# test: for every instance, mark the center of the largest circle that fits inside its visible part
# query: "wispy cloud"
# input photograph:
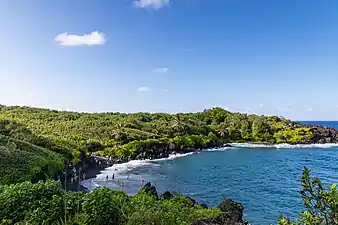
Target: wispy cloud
(161, 70)
(151, 4)
(261, 105)
(143, 89)
(309, 109)
(93, 38)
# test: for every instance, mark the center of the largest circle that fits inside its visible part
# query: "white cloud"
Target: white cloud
(161, 70)
(152, 4)
(309, 109)
(93, 38)
(261, 105)
(143, 89)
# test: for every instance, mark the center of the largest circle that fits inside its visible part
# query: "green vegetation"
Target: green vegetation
(120, 134)
(293, 136)
(321, 203)
(33, 141)
(44, 203)
(48, 203)
(20, 161)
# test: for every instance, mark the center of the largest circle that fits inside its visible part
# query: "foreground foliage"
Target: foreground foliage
(321, 203)
(48, 203)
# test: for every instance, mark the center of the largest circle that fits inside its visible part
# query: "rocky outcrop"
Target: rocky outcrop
(228, 145)
(167, 195)
(320, 134)
(232, 211)
(232, 215)
(323, 135)
(149, 189)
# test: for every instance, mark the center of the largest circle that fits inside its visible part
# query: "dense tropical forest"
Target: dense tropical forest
(120, 135)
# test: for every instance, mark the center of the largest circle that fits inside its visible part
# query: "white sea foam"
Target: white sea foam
(121, 169)
(218, 149)
(248, 145)
(173, 156)
(94, 183)
(333, 145)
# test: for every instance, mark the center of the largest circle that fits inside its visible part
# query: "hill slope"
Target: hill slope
(142, 135)
(20, 161)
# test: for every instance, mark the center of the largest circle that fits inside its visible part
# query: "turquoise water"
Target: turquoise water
(264, 179)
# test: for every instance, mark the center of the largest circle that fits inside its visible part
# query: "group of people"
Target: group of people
(113, 178)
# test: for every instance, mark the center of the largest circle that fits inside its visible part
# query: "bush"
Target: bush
(321, 203)
(104, 206)
(20, 161)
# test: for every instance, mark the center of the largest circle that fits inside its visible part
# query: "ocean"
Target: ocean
(266, 180)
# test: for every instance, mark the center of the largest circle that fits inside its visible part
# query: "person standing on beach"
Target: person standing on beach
(113, 176)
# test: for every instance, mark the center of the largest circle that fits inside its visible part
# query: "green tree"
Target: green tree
(245, 130)
(321, 203)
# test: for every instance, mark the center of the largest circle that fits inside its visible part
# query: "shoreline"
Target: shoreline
(93, 172)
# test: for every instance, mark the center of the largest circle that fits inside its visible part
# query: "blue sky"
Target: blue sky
(267, 57)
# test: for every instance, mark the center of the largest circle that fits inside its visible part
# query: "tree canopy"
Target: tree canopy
(119, 134)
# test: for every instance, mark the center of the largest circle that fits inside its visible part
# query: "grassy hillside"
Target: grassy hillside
(129, 135)
(20, 161)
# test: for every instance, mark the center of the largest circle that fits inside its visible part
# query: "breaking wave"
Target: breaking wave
(248, 145)
(123, 168)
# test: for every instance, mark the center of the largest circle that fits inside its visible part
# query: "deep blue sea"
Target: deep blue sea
(264, 179)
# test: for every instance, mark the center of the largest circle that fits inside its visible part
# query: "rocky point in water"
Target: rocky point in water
(232, 211)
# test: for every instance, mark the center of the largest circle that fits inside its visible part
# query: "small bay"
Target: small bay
(264, 179)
